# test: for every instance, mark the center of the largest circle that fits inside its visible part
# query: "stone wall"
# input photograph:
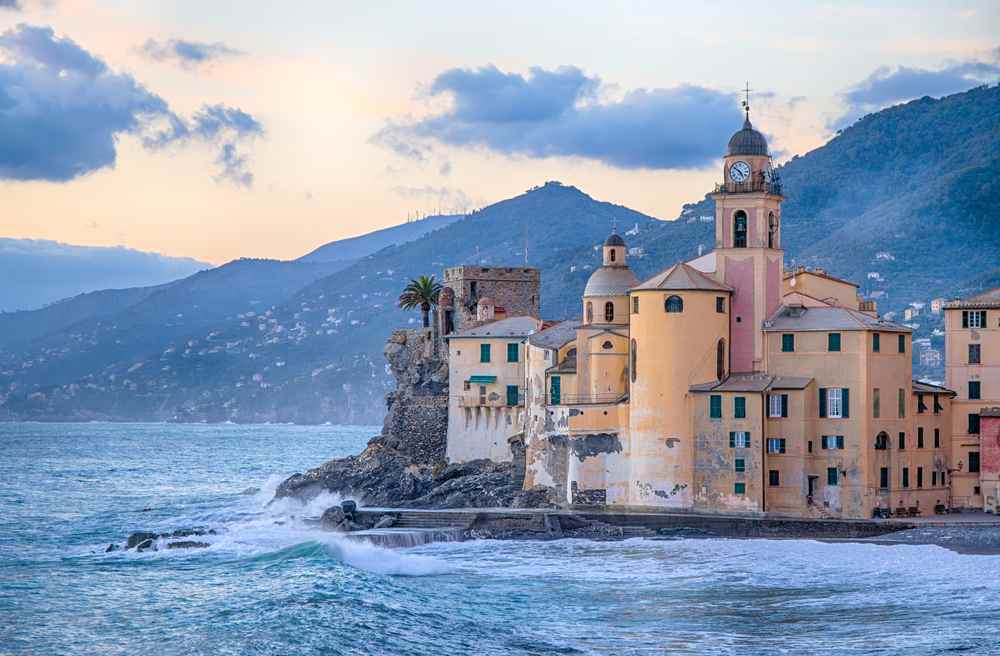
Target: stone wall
(516, 289)
(416, 422)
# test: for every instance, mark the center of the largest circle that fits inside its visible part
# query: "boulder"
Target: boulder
(333, 517)
(140, 537)
(187, 544)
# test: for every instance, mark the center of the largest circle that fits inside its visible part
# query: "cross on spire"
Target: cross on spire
(614, 225)
(746, 100)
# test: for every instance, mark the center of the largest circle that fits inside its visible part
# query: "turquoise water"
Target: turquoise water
(272, 584)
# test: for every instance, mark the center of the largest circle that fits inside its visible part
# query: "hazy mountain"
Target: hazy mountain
(37, 272)
(902, 194)
(354, 248)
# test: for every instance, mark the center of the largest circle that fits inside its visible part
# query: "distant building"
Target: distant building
(937, 305)
(930, 358)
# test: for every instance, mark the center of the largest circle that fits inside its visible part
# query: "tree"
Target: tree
(422, 292)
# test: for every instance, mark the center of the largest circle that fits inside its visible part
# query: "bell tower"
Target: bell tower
(749, 257)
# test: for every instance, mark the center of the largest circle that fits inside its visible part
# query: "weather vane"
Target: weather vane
(746, 101)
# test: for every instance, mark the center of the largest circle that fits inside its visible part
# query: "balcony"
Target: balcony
(757, 185)
(585, 399)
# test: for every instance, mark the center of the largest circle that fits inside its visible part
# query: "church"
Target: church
(721, 384)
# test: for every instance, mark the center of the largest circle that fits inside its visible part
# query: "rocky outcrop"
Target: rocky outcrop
(148, 541)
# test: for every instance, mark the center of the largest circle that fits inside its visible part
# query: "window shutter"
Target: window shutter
(822, 402)
(732, 439)
(767, 405)
(846, 403)
(822, 442)
(965, 318)
(784, 405)
(840, 441)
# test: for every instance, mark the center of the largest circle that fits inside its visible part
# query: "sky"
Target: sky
(217, 130)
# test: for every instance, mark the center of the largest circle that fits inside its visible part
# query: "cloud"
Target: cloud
(10, 4)
(63, 110)
(563, 113)
(189, 54)
(888, 86)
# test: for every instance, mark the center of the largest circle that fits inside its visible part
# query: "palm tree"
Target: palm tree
(423, 293)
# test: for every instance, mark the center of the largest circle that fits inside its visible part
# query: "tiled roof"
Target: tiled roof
(923, 387)
(985, 300)
(555, 336)
(800, 318)
(681, 277)
(513, 327)
(754, 382)
(819, 274)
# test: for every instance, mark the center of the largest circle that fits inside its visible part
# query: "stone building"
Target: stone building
(512, 291)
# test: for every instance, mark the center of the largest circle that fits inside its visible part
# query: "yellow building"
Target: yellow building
(724, 384)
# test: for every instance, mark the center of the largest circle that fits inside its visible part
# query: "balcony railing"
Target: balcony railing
(583, 399)
(760, 184)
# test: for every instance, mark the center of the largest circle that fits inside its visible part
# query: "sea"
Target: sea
(272, 583)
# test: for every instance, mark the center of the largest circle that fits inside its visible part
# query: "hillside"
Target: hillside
(901, 194)
(354, 248)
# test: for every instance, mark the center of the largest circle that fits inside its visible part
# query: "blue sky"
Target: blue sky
(226, 129)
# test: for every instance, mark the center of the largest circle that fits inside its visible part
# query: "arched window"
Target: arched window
(590, 312)
(609, 311)
(607, 345)
(720, 359)
(772, 230)
(612, 255)
(632, 361)
(674, 304)
(740, 229)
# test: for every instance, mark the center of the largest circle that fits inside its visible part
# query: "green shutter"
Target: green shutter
(484, 352)
(740, 488)
(784, 405)
(845, 401)
(833, 341)
(555, 390)
(512, 395)
(732, 439)
(831, 475)
(840, 441)
(822, 402)
(965, 318)
(740, 407)
(740, 465)
(788, 343)
(876, 345)
(512, 352)
(715, 406)
(902, 343)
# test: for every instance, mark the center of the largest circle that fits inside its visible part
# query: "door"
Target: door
(812, 489)
(555, 391)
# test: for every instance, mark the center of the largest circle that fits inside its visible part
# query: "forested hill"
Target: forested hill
(897, 202)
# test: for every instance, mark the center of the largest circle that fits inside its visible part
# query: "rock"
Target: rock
(385, 521)
(349, 506)
(140, 537)
(333, 517)
(250, 490)
(187, 544)
(112, 547)
(146, 545)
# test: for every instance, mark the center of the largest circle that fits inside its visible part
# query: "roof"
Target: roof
(990, 412)
(610, 281)
(556, 336)
(754, 382)
(747, 141)
(513, 327)
(706, 263)
(567, 366)
(798, 318)
(682, 276)
(614, 240)
(818, 274)
(922, 387)
(985, 300)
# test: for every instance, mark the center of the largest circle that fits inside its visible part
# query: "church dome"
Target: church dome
(610, 281)
(614, 240)
(747, 141)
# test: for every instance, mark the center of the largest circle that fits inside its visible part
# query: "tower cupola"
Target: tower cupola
(747, 141)
(614, 251)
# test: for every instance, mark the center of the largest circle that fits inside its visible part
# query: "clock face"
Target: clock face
(739, 171)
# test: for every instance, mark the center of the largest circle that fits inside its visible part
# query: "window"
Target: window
(902, 343)
(612, 255)
(555, 390)
(973, 424)
(876, 403)
(921, 406)
(740, 229)
(633, 356)
(973, 462)
(920, 437)
(740, 407)
(484, 352)
(635, 305)
(876, 342)
(834, 402)
(975, 389)
(937, 405)
(920, 476)
(740, 488)
(934, 478)
(906, 477)
(775, 445)
(937, 438)
(674, 304)
(777, 405)
(512, 395)
(720, 359)
(809, 446)
(975, 353)
(720, 304)
(740, 465)
(607, 345)
(609, 311)
(787, 343)
(512, 352)
(739, 440)
(831, 475)
(773, 478)
(882, 441)
(902, 441)
(772, 230)
(833, 342)
(590, 312)
(883, 478)
(973, 318)
(715, 406)
(832, 442)
(482, 395)
(467, 386)
(901, 398)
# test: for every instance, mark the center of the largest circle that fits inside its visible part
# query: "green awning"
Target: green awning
(482, 380)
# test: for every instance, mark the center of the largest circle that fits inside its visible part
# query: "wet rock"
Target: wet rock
(187, 544)
(140, 537)
(385, 521)
(112, 547)
(146, 545)
(333, 517)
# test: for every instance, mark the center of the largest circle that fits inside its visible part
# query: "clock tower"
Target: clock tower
(748, 250)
